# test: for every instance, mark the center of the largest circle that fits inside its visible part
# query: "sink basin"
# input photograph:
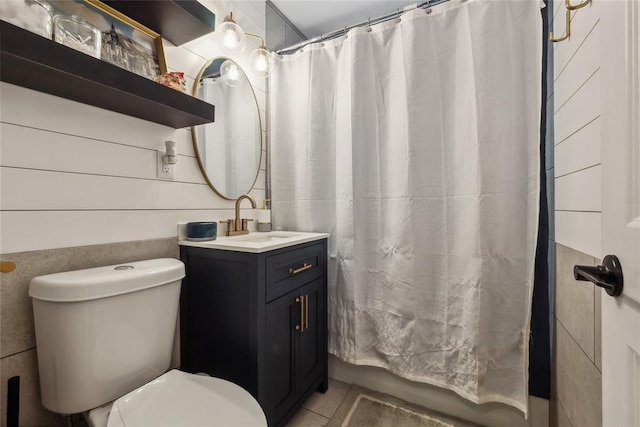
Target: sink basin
(255, 242)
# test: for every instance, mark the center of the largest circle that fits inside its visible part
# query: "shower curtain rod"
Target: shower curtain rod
(368, 22)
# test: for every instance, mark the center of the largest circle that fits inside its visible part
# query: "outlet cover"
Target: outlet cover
(164, 171)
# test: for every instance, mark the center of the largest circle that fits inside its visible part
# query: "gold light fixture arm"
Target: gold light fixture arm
(261, 39)
(230, 18)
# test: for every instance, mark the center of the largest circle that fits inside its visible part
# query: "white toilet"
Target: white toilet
(105, 338)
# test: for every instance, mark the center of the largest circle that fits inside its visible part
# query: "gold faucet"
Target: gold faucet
(239, 225)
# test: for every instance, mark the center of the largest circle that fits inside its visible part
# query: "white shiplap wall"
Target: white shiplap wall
(72, 174)
(577, 130)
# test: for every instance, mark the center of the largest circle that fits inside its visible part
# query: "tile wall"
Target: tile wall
(576, 382)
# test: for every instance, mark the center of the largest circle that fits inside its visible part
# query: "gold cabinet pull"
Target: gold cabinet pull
(304, 267)
(303, 312)
(306, 311)
(7, 266)
(301, 326)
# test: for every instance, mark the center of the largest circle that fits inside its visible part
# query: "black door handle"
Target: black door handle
(607, 276)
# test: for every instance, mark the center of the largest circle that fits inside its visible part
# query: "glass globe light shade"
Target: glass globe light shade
(231, 36)
(259, 60)
(231, 73)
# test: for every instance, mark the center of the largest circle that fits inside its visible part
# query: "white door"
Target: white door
(620, 70)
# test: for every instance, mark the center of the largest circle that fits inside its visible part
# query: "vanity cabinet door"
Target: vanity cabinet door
(311, 351)
(282, 317)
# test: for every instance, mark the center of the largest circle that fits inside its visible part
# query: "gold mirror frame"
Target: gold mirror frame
(194, 139)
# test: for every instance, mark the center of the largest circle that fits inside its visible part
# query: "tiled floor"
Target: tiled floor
(332, 408)
(320, 408)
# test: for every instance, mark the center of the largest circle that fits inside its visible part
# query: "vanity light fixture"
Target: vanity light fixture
(230, 73)
(259, 59)
(233, 39)
(231, 35)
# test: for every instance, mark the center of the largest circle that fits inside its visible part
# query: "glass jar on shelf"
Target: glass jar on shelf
(78, 34)
(32, 15)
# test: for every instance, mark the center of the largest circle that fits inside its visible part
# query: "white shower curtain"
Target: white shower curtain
(415, 145)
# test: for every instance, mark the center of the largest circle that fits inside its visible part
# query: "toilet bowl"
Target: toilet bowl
(81, 316)
(181, 399)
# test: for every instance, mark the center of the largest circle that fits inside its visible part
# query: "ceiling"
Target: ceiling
(316, 17)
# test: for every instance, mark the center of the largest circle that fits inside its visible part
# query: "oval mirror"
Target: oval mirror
(228, 150)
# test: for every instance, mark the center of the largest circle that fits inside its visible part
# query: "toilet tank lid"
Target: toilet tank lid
(102, 282)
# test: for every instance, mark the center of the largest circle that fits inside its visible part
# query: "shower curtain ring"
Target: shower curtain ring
(428, 8)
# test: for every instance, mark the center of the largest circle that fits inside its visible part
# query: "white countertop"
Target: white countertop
(256, 242)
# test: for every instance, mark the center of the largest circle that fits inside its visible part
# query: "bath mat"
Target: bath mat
(366, 408)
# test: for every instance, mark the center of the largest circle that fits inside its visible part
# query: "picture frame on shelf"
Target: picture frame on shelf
(124, 42)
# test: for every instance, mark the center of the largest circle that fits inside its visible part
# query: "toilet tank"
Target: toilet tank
(102, 332)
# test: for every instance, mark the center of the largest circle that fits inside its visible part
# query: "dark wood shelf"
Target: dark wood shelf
(178, 21)
(34, 62)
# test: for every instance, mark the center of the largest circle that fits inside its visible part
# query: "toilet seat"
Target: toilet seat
(181, 399)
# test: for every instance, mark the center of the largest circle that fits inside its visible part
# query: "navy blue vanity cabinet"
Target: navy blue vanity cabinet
(258, 320)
